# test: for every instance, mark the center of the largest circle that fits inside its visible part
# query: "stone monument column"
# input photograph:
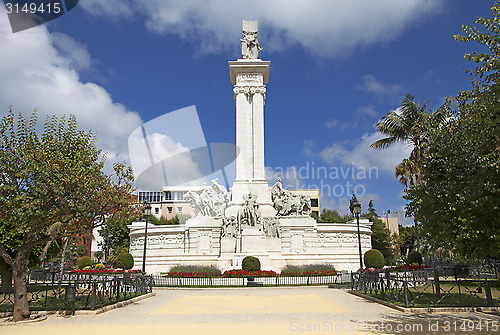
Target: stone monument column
(249, 75)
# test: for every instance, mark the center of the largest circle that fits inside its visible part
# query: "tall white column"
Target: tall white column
(249, 77)
(258, 135)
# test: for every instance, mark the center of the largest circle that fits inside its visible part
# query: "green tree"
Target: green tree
(407, 240)
(372, 213)
(333, 216)
(54, 177)
(381, 240)
(381, 236)
(459, 201)
(115, 233)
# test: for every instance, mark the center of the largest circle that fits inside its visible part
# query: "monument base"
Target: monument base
(301, 241)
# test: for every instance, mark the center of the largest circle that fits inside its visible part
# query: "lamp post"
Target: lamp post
(147, 213)
(355, 208)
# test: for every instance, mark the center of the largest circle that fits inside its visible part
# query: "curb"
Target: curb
(115, 306)
(101, 310)
(426, 310)
(4, 323)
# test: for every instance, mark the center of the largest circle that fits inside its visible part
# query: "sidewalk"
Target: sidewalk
(311, 310)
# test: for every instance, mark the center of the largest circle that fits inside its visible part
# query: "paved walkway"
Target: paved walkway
(310, 310)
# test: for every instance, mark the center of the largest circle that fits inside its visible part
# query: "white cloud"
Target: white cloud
(339, 125)
(72, 50)
(371, 84)
(321, 27)
(367, 110)
(308, 149)
(115, 9)
(364, 156)
(40, 70)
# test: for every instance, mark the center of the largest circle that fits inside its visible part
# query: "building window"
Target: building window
(179, 210)
(314, 202)
(157, 210)
(168, 195)
(169, 209)
(150, 196)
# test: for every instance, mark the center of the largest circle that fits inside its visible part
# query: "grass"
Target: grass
(470, 294)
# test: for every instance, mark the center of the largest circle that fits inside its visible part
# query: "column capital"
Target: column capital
(249, 91)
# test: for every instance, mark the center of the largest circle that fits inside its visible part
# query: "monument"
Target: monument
(252, 219)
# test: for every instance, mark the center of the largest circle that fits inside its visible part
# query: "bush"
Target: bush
(195, 270)
(374, 259)
(308, 269)
(99, 266)
(87, 268)
(414, 257)
(83, 262)
(125, 261)
(250, 263)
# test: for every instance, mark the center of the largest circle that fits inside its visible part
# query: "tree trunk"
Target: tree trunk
(6, 274)
(61, 270)
(19, 274)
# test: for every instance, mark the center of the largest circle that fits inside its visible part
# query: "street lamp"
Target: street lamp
(355, 208)
(147, 213)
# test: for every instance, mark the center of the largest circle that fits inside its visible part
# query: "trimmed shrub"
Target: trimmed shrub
(83, 262)
(250, 263)
(374, 259)
(414, 257)
(125, 261)
(87, 268)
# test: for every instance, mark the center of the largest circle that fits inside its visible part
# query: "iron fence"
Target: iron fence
(165, 281)
(429, 287)
(50, 291)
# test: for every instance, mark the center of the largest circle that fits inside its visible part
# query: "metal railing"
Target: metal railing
(50, 291)
(165, 281)
(429, 287)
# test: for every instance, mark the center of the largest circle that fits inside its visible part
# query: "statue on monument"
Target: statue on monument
(286, 203)
(250, 214)
(209, 201)
(249, 43)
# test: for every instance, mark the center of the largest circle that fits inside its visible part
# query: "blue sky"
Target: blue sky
(336, 68)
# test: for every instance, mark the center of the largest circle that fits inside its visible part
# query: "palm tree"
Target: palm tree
(406, 171)
(409, 124)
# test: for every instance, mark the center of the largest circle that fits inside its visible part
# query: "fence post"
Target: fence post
(382, 292)
(93, 296)
(405, 289)
(487, 289)
(118, 282)
(437, 285)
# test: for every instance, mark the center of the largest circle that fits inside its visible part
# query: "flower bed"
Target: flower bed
(106, 271)
(243, 273)
(191, 274)
(308, 273)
